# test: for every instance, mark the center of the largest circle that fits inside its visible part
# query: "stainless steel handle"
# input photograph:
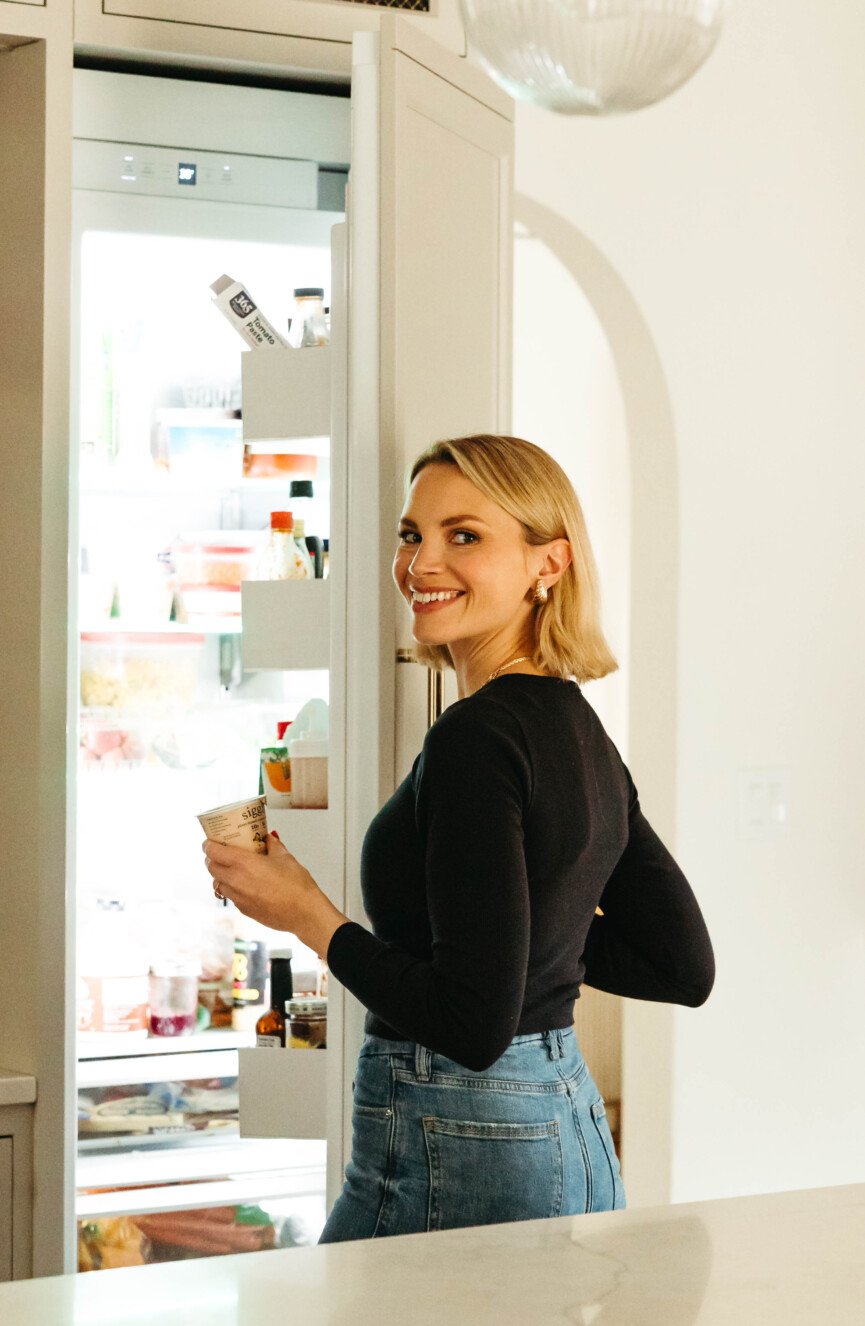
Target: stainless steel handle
(435, 686)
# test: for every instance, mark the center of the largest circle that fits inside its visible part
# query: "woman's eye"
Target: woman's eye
(405, 535)
(468, 534)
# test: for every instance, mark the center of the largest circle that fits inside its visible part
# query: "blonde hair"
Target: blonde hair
(526, 482)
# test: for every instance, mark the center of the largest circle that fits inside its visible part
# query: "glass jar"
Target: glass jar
(308, 326)
(307, 1024)
(173, 999)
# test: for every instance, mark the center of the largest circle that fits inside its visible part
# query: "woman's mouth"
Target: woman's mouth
(434, 605)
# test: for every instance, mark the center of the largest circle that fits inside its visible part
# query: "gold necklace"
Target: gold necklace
(523, 658)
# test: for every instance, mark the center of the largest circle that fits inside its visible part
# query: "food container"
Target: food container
(308, 757)
(111, 978)
(222, 563)
(308, 1024)
(105, 744)
(192, 443)
(173, 999)
(152, 672)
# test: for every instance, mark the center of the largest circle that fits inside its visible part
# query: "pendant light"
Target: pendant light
(591, 57)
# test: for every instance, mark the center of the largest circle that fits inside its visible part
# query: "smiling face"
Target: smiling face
(455, 540)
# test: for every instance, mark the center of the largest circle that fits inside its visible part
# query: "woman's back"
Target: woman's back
(482, 873)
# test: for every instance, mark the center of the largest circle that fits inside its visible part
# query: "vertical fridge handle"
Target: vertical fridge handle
(435, 680)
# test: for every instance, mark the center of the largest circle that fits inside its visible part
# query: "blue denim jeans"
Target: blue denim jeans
(437, 1146)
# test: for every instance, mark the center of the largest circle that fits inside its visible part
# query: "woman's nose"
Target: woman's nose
(425, 557)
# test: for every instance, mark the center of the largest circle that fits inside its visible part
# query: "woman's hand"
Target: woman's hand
(275, 890)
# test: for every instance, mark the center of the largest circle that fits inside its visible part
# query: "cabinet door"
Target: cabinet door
(430, 252)
(311, 36)
(447, 257)
(5, 1208)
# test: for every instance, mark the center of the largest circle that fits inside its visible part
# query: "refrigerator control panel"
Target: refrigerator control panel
(170, 172)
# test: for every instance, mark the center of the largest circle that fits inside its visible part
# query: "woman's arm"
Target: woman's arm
(473, 782)
(652, 941)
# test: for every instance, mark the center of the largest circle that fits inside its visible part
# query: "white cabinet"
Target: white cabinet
(6, 1192)
(311, 37)
(17, 1094)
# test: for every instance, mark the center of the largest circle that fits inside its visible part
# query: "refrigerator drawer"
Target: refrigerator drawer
(286, 393)
(283, 1093)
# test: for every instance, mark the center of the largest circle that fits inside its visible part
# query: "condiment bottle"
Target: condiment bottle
(307, 1024)
(308, 325)
(249, 971)
(271, 1026)
(300, 542)
(275, 777)
(281, 558)
(303, 507)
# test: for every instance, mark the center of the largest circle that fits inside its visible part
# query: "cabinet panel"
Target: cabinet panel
(5, 1208)
(310, 36)
(327, 21)
(446, 257)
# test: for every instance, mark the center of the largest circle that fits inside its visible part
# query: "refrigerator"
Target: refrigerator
(171, 508)
(401, 211)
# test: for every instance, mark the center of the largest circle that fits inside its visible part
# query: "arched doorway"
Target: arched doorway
(589, 387)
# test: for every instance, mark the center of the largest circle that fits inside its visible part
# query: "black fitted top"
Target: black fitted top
(481, 874)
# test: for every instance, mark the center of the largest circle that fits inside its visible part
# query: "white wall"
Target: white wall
(567, 398)
(734, 213)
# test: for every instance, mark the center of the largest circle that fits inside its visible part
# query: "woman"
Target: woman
(512, 864)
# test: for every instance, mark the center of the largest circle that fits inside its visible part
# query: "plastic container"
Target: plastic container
(173, 999)
(308, 745)
(111, 979)
(105, 745)
(308, 757)
(155, 672)
(222, 563)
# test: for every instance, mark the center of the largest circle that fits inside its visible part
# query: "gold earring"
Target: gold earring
(541, 592)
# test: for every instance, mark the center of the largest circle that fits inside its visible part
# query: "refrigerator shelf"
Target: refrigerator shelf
(105, 1045)
(147, 1068)
(226, 1156)
(163, 487)
(239, 1191)
(198, 626)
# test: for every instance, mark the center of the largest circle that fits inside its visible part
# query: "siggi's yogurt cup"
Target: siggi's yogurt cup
(240, 824)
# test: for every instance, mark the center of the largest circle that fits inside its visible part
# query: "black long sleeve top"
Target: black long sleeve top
(481, 875)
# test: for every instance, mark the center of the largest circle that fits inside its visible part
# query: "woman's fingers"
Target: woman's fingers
(222, 854)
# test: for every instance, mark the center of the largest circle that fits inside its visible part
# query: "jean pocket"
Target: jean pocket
(489, 1173)
(608, 1192)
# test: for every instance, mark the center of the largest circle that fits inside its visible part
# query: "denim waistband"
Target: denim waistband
(555, 1039)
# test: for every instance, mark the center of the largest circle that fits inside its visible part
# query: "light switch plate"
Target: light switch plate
(764, 802)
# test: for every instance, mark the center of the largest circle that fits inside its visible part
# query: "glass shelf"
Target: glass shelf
(198, 626)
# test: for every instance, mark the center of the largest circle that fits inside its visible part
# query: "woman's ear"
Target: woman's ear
(557, 559)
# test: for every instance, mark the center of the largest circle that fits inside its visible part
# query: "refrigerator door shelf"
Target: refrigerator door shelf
(286, 393)
(283, 1093)
(310, 836)
(286, 624)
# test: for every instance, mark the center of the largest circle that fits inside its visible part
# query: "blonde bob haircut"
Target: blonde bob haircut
(526, 482)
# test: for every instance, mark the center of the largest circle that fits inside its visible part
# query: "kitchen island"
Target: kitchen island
(793, 1257)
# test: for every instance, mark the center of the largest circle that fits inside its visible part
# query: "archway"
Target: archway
(641, 717)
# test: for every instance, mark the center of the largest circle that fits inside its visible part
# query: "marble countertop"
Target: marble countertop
(790, 1258)
(16, 1088)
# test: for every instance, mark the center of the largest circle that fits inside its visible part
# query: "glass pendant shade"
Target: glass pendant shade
(591, 57)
